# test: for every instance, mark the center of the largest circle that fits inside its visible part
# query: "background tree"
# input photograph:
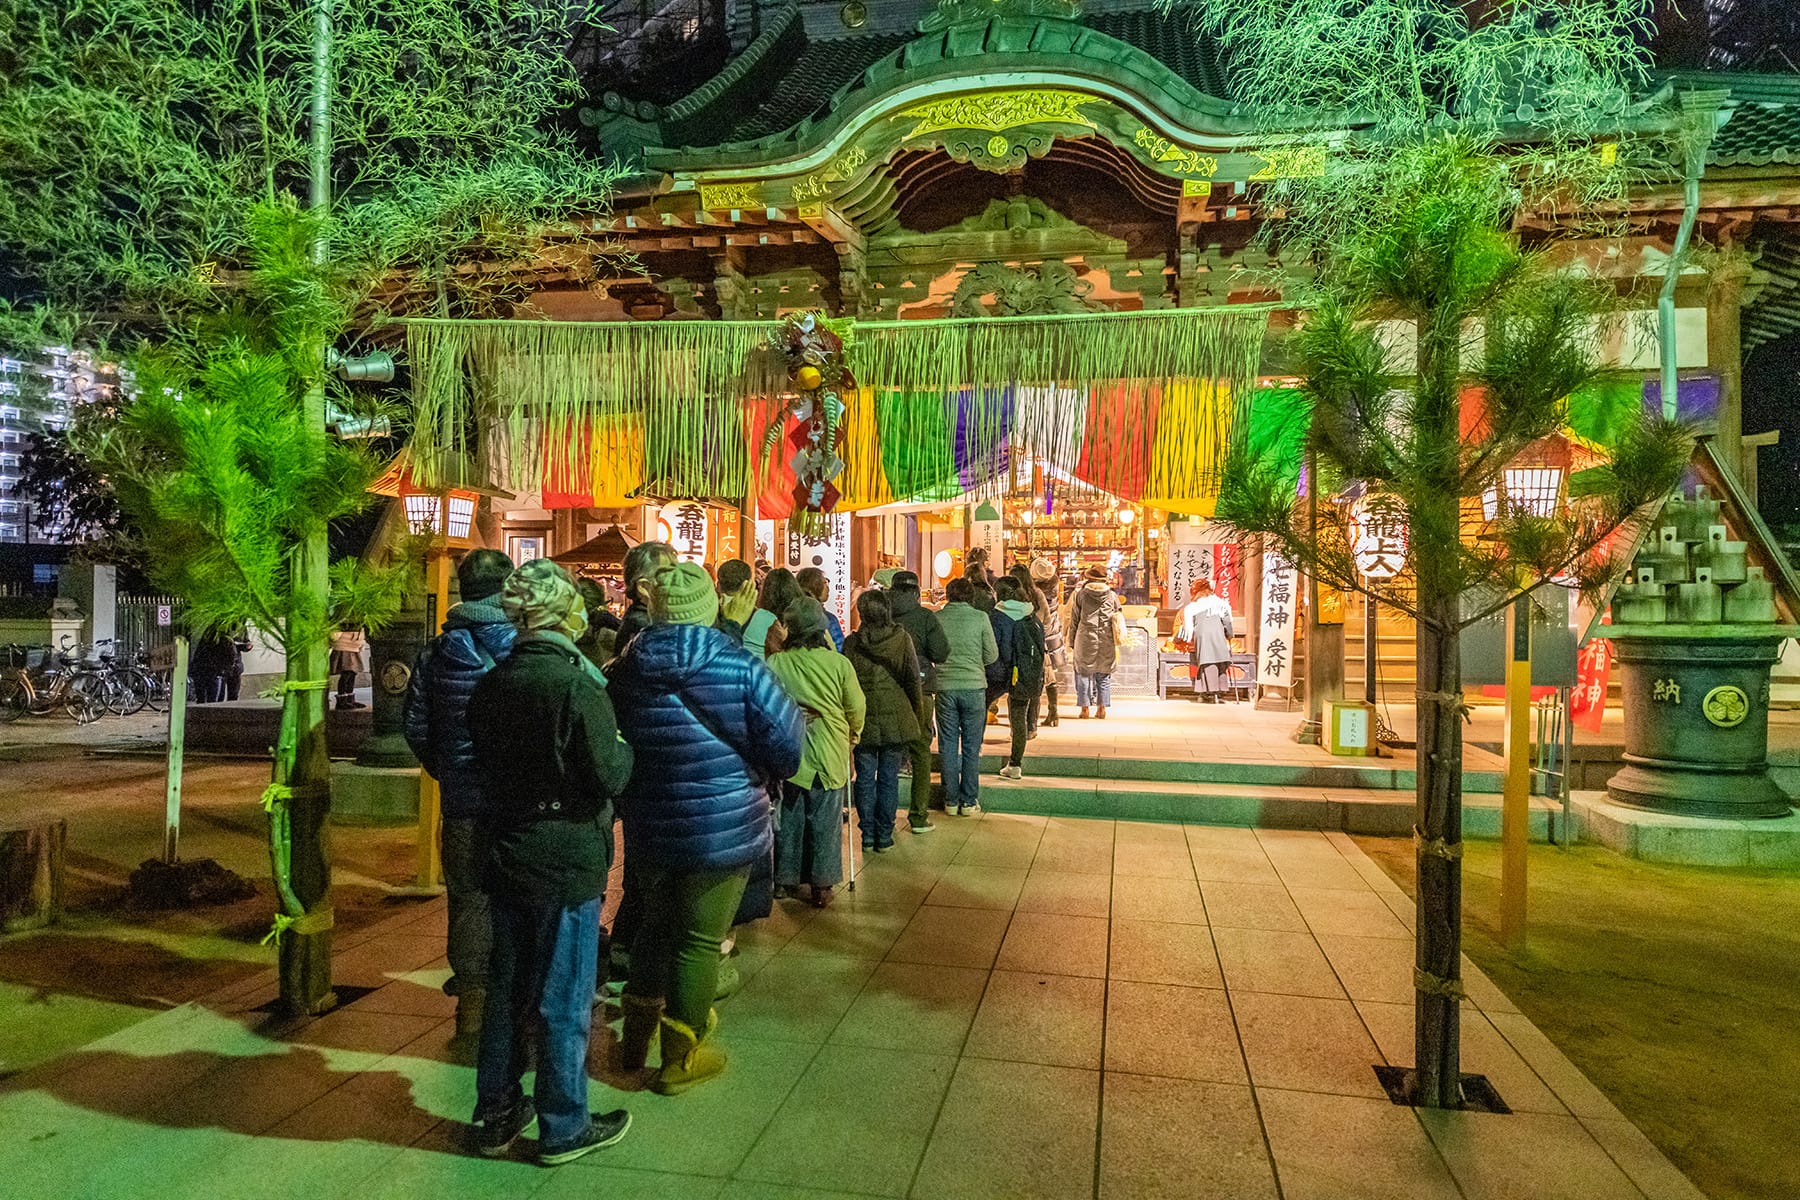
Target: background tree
(1438, 133)
(155, 156)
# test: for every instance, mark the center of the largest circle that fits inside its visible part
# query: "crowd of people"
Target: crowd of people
(723, 722)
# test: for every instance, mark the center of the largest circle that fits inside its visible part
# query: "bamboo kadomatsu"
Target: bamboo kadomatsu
(521, 392)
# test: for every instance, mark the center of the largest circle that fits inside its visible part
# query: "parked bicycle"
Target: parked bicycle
(61, 682)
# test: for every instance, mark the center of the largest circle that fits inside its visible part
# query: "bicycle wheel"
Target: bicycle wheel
(15, 697)
(84, 699)
(115, 690)
(136, 686)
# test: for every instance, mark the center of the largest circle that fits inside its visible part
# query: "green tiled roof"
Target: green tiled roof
(1765, 121)
(785, 83)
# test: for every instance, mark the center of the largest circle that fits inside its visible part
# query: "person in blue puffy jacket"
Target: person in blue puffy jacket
(713, 734)
(476, 635)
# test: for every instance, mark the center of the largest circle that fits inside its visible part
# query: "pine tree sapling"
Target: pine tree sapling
(1445, 124)
(224, 481)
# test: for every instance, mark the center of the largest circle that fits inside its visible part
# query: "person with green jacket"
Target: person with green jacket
(962, 696)
(823, 683)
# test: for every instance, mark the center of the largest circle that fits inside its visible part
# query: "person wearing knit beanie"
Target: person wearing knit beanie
(683, 594)
(1042, 570)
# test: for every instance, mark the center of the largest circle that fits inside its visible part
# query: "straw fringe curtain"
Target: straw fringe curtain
(525, 392)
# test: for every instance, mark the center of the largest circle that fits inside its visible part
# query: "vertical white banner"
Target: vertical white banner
(683, 525)
(765, 547)
(1187, 562)
(990, 536)
(831, 554)
(1280, 607)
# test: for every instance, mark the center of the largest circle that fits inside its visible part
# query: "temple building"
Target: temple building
(1082, 162)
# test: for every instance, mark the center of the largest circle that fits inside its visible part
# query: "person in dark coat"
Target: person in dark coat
(887, 667)
(713, 732)
(932, 648)
(211, 664)
(551, 762)
(641, 562)
(737, 598)
(476, 635)
(999, 672)
(1028, 669)
(1056, 651)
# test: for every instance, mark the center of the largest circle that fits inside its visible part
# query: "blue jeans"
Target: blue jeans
(808, 842)
(961, 719)
(542, 968)
(878, 792)
(1097, 688)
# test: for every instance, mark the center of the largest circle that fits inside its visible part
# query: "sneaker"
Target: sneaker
(922, 826)
(868, 847)
(493, 1136)
(880, 849)
(603, 1130)
(1010, 772)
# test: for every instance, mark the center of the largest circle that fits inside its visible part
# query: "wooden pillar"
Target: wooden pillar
(1515, 794)
(1725, 358)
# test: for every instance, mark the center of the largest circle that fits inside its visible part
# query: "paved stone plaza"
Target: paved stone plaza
(1010, 1007)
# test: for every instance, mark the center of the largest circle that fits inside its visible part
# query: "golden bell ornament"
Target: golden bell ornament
(808, 379)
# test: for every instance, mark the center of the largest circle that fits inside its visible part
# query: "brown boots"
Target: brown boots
(687, 1058)
(643, 1014)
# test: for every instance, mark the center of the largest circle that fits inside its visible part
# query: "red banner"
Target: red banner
(1593, 668)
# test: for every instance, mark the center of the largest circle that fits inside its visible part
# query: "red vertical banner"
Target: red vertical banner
(1593, 669)
(1227, 575)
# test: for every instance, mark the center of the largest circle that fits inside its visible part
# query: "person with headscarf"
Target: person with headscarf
(477, 634)
(552, 762)
(714, 735)
(823, 683)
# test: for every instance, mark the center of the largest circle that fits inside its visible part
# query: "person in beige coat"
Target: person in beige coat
(823, 683)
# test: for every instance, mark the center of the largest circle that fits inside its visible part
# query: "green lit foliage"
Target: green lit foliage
(1447, 126)
(222, 475)
(135, 134)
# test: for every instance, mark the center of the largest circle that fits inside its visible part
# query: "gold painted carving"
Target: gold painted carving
(997, 112)
(1290, 162)
(818, 185)
(1179, 160)
(1726, 706)
(717, 196)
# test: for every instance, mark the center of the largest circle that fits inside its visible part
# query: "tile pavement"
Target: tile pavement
(1009, 1007)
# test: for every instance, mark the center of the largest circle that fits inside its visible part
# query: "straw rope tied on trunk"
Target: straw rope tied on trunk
(1143, 404)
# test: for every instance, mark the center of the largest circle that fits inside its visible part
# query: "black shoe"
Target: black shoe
(494, 1136)
(603, 1130)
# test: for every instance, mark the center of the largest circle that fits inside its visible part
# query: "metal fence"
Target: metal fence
(146, 624)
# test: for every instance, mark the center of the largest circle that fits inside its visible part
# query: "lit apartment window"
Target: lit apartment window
(11, 460)
(9, 531)
(8, 413)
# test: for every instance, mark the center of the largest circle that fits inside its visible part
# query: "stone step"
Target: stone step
(1375, 811)
(1351, 774)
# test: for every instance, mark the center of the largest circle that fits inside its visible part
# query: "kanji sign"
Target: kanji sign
(830, 552)
(683, 525)
(1378, 535)
(1593, 666)
(1280, 610)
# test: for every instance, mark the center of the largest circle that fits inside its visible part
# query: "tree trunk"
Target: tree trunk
(1438, 958)
(304, 764)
